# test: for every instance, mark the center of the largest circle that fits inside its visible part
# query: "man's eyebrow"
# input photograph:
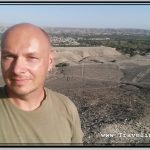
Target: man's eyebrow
(7, 52)
(31, 54)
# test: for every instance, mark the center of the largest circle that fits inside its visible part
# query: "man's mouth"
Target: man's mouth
(19, 81)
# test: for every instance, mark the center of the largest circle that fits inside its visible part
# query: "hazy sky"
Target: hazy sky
(99, 16)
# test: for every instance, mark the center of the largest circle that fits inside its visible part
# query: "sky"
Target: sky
(80, 16)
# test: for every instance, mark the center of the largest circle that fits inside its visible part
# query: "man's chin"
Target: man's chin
(20, 91)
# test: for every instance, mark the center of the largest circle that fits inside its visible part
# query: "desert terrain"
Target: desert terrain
(110, 90)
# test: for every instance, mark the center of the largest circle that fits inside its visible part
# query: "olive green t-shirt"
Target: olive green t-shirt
(55, 121)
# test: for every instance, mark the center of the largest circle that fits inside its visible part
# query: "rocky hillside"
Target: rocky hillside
(111, 92)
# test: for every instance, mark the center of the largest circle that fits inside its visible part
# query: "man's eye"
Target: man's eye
(7, 57)
(32, 58)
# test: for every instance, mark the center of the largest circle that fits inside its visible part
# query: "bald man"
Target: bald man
(29, 112)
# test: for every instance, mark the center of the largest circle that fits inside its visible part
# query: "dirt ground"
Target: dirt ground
(111, 92)
(114, 110)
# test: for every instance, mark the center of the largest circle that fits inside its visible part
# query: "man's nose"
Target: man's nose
(18, 66)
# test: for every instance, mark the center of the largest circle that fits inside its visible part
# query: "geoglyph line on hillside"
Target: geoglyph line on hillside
(140, 76)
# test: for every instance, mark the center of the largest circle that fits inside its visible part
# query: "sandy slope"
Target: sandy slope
(95, 80)
(108, 90)
(75, 54)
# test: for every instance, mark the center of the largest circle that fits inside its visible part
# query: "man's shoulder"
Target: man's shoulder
(58, 96)
(61, 100)
(55, 94)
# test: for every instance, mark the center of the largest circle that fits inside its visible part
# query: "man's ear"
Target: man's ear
(50, 61)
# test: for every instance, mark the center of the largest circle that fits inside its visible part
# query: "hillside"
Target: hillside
(110, 90)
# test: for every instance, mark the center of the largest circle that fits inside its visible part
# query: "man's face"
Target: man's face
(25, 62)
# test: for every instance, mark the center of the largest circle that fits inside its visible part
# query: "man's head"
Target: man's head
(26, 58)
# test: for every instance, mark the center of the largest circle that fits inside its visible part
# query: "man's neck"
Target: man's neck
(28, 102)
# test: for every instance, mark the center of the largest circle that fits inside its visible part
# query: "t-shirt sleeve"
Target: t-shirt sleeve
(77, 134)
(71, 112)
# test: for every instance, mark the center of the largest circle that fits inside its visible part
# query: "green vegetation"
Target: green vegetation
(127, 41)
(126, 44)
(132, 44)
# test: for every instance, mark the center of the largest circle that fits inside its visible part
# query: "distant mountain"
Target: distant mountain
(108, 31)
